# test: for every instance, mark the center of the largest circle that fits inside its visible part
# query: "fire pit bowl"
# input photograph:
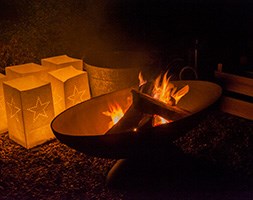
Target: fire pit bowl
(84, 126)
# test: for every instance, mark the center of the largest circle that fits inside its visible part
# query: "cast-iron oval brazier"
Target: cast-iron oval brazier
(84, 126)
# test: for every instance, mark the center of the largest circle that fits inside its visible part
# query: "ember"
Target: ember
(158, 120)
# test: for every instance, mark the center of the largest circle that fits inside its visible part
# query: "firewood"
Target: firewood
(149, 105)
(131, 121)
(145, 122)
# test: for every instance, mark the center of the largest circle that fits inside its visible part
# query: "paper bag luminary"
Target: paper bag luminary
(58, 62)
(70, 86)
(27, 69)
(3, 119)
(29, 109)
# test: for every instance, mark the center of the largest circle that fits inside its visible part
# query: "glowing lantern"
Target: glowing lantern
(3, 119)
(58, 62)
(70, 86)
(29, 109)
(27, 69)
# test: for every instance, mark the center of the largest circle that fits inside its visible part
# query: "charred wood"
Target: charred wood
(146, 104)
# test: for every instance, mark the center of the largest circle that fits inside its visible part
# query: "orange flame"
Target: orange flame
(115, 112)
(158, 120)
(141, 80)
(180, 93)
(165, 91)
(162, 89)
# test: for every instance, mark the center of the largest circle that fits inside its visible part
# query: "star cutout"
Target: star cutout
(77, 96)
(14, 109)
(39, 109)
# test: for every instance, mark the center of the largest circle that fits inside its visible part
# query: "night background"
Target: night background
(161, 30)
(215, 158)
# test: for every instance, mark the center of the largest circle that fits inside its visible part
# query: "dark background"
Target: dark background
(166, 29)
(31, 30)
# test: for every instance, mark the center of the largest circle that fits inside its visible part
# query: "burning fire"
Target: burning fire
(141, 80)
(165, 91)
(115, 112)
(158, 120)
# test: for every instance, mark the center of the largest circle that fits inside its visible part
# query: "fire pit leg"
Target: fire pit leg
(113, 176)
(135, 173)
(151, 168)
(177, 170)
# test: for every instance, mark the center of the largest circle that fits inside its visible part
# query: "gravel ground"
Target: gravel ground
(55, 171)
(51, 171)
(31, 30)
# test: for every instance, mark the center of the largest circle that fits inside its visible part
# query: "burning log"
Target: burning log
(149, 105)
(139, 115)
(132, 121)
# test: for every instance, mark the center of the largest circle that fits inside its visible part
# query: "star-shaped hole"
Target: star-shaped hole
(13, 109)
(77, 96)
(39, 109)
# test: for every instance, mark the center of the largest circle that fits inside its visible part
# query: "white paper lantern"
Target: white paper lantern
(27, 69)
(61, 61)
(3, 119)
(70, 86)
(29, 109)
